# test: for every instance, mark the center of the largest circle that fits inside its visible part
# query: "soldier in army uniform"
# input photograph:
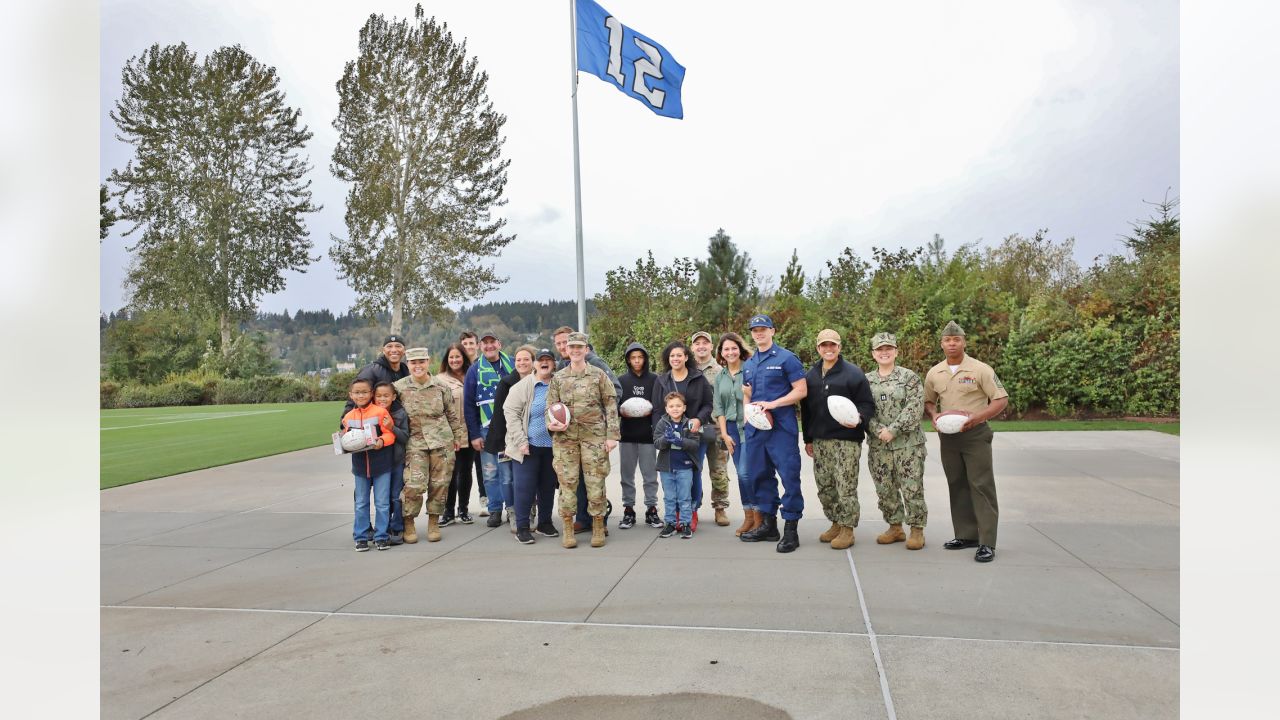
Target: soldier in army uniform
(435, 433)
(895, 444)
(964, 385)
(717, 456)
(583, 446)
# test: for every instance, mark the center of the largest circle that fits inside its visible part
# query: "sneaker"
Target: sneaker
(608, 510)
(686, 532)
(362, 546)
(494, 520)
(628, 519)
(651, 517)
(523, 536)
(396, 539)
(465, 519)
(667, 531)
(446, 520)
(546, 529)
(511, 517)
(381, 544)
(694, 522)
(484, 506)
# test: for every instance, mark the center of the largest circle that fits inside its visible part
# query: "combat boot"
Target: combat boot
(790, 537)
(831, 533)
(410, 532)
(597, 532)
(892, 535)
(567, 537)
(916, 541)
(747, 522)
(844, 539)
(433, 528)
(766, 531)
(721, 518)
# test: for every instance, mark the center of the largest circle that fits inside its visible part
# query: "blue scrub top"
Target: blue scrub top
(770, 374)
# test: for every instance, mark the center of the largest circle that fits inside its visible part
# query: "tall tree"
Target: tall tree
(421, 144)
(726, 282)
(106, 216)
(216, 184)
(792, 282)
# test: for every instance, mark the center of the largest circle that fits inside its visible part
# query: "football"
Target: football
(950, 423)
(559, 412)
(636, 407)
(758, 417)
(353, 440)
(843, 410)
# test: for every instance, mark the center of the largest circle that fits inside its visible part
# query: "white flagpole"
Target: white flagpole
(577, 173)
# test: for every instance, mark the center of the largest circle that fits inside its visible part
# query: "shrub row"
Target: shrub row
(222, 391)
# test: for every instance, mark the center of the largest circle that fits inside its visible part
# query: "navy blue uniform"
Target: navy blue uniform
(769, 374)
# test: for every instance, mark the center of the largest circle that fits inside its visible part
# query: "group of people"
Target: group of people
(501, 413)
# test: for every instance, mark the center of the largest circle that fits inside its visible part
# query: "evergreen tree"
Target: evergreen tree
(793, 279)
(106, 216)
(726, 283)
(420, 143)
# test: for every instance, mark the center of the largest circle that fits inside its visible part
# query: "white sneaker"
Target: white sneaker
(484, 511)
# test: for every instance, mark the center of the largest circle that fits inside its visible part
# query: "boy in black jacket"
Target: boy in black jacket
(636, 446)
(677, 447)
(386, 397)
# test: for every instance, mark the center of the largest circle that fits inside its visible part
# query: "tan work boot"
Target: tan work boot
(831, 533)
(433, 528)
(567, 537)
(747, 520)
(843, 539)
(410, 532)
(916, 541)
(597, 531)
(892, 535)
(721, 519)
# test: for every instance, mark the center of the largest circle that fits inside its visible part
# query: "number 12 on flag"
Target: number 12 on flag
(628, 60)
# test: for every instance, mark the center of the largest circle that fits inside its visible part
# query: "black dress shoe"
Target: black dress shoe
(959, 544)
(985, 553)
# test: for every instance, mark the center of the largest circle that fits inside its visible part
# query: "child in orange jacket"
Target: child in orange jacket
(371, 468)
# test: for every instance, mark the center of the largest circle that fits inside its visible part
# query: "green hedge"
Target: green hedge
(267, 389)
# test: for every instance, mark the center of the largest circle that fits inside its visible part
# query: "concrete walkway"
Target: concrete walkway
(234, 592)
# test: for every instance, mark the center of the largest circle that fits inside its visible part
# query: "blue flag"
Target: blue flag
(623, 57)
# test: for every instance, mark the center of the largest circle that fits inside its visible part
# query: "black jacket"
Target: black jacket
(697, 396)
(637, 430)
(496, 441)
(689, 441)
(401, 418)
(380, 371)
(845, 379)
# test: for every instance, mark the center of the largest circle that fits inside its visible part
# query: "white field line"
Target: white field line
(871, 635)
(218, 416)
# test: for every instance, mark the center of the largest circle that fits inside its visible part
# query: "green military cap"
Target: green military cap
(577, 338)
(952, 328)
(419, 353)
(884, 338)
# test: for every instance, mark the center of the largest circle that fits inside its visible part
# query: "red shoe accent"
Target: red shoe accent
(693, 525)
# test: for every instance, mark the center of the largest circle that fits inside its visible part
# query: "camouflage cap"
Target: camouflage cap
(884, 338)
(419, 353)
(702, 334)
(577, 338)
(952, 328)
(828, 335)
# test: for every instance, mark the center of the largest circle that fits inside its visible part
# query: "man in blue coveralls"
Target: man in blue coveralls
(773, 378)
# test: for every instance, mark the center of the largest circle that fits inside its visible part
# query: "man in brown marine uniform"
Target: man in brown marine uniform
(965, 385)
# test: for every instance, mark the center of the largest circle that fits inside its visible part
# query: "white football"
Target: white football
(353, 440)
(636, 407)
(843, 410)
(949, 423)
(758, 417)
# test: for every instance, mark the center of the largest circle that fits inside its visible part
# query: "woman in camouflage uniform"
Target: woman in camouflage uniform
(895, 444)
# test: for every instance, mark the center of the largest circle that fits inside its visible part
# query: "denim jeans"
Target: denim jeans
(746, 492)
(380, 485)
(396, 524)
(676, 487)
(497, 480)
(535, 477)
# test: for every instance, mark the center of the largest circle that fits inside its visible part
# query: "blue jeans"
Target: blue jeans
(676, 488)
(380, 485)
(746, 491)
(497, 480)
(396, 525)
(535, 477)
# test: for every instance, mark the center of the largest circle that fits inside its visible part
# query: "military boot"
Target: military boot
(766, 531)
(916, 541)
(597, 532)
(410, 532)
(892, 535)
(567, 537)
(844, 539)
(721, 518)
(790, 537)
(433, 528)
(831, 533)
(747, 522)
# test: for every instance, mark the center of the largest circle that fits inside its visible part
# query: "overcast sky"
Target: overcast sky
(831, 124)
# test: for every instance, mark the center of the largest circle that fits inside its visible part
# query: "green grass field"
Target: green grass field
(145, 443)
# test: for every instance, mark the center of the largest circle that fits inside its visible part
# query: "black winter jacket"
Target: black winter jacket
(689, 441)
(846, 379)
(380, 371)
(637, 430)
(401, 418)
(496, 441)
(697, 396)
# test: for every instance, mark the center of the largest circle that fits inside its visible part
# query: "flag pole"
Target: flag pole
(577, 173)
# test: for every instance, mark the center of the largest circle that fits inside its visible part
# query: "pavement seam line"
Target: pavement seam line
(871, 636)
(1065, 643)
(166, 532)
(587, 619)
(1105, 576)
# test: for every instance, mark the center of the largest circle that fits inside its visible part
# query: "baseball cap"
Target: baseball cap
(828, 335)
(884, 338)
(761, 321)
(577, 338)
(489, 334)
(702, 334)
(418, 353)
(544, 352)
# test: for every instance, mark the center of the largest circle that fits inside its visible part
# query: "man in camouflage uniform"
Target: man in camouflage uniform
(895, 444)
(583, 446)
(435, 434)
(717, 457)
